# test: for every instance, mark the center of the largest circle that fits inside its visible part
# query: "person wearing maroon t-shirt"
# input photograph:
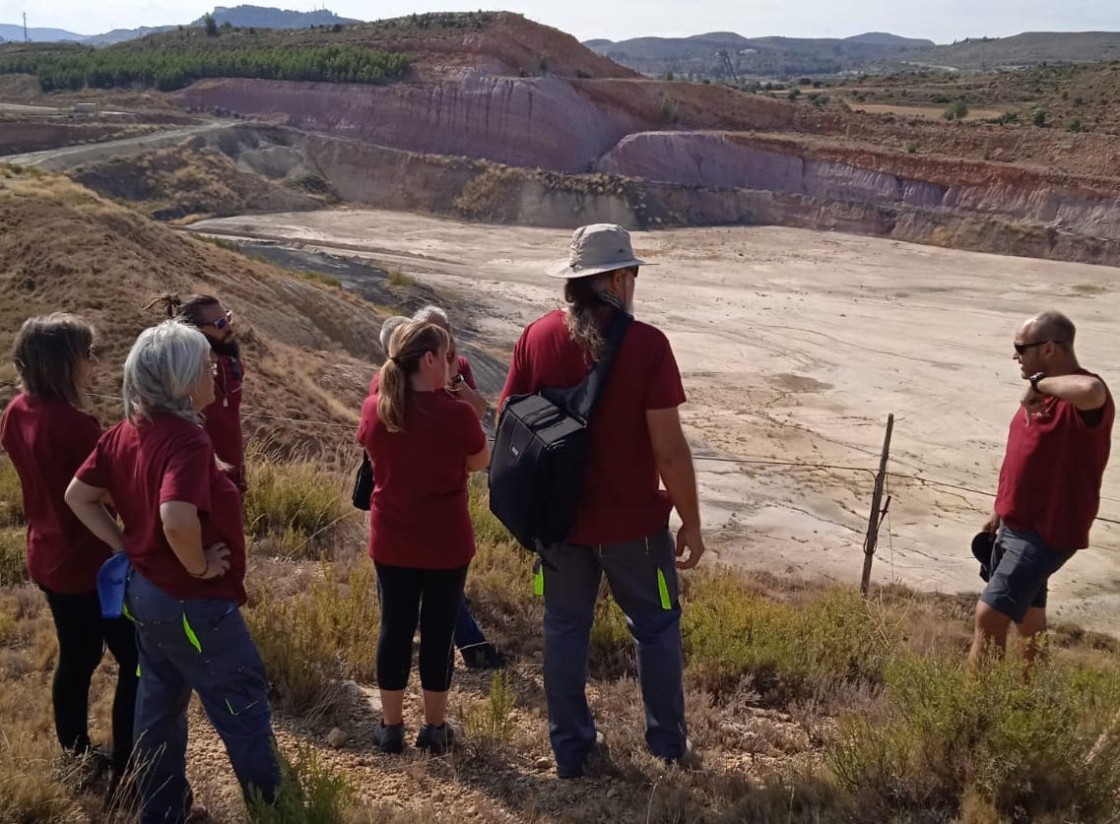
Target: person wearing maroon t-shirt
(477, 652)
(47, 434)
(1049, 484)
(422, 442)
(222, 418)
(621, 523)
(183, 536)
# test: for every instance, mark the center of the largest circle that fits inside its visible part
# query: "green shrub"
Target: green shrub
(398, 278)
(730, 632)
(957, 110)
(11, 495)
(490, 723)
(1048, 746)
(290, 508)
(310, 641)
(310, 793)
(13, 556)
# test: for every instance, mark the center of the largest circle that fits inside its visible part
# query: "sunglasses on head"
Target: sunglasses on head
(220, 323)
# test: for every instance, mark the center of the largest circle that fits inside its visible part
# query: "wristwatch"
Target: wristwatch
(1034, 379)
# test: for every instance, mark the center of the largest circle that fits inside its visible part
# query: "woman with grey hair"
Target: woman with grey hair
(185, 546)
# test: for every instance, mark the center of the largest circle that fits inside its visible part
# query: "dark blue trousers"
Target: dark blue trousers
(204, 646)
(642, 576)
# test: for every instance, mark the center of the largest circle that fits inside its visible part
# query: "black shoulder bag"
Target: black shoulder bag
(540, 451)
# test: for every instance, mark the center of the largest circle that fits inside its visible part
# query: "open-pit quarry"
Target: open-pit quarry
(795, 346)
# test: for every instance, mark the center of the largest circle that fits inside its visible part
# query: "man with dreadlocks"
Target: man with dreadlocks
(621, 525)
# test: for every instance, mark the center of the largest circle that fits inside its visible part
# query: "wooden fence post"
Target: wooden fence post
(875, 517)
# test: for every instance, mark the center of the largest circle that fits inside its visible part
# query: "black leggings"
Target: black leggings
(430, 597)
(82, 635)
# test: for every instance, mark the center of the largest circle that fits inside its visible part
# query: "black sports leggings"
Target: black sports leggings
(82, 635)
(430, 597)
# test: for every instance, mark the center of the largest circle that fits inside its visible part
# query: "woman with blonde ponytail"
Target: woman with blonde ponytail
(423, 442)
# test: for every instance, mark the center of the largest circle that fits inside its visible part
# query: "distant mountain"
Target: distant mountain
(719, 54)
(722, 54)
(1027, 49)
(121, 35)
(262, 17)
(15, 34)
(879, 38)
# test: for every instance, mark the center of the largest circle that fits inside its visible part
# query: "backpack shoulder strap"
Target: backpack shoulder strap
(585, 396)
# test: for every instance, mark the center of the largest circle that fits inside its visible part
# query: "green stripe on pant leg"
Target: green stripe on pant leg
(663, 590)
(190, 634)
(538, 581)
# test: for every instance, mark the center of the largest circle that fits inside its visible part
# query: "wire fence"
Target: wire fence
(921, 480)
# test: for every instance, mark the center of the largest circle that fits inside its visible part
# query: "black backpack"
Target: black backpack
(540, 450)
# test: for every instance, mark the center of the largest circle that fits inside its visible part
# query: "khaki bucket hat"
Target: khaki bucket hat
(597, 248)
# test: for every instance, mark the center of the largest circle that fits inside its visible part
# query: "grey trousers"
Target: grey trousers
(642, 576)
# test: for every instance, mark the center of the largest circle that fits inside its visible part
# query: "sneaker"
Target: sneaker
(596, 758)
(389, 737)
(436, 740)
(483, 657)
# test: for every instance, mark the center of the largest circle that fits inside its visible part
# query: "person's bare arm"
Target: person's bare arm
(88, 503)
(183, 531)
(674, 465)
(1084, 391)
(480, 460)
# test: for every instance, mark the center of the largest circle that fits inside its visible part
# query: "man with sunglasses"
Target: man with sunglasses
(1049, 484)
(223, 416)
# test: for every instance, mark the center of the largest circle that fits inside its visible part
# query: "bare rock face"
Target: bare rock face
(1088, 206)
(522, 121)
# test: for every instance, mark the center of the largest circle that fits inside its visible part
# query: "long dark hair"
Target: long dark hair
(586, 298)
(47, 352)
(409, 343)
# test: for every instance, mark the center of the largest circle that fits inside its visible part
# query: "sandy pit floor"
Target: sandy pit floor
(795, 346)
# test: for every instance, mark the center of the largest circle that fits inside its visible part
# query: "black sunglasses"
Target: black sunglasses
(1021, 348)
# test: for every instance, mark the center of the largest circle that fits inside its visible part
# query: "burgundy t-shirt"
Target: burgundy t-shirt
(418, 511)
(622, 499)
(1051, 476)
(222, 418)
(464, 370)
(168, 458)
(47, 440)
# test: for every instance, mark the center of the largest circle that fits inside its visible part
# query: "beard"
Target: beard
(231, 347)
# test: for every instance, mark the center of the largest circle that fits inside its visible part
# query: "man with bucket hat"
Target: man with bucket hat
(621, 524)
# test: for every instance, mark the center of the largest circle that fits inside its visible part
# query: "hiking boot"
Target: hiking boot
(389, 737)
(686, 760)
(595, 759)
(436, 740)
(483, 657)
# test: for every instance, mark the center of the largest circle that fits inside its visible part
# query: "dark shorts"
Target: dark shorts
(1021, 565)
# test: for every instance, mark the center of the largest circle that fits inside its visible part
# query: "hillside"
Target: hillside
(782, 57)
(310, 346)
(1027, 49)
(245, 15)
(703, 55)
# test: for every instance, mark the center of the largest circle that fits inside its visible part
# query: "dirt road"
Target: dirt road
(795, 346)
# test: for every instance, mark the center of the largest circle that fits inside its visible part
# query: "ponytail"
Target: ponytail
(408, 344)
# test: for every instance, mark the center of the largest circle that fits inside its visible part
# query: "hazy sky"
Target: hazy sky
(939, 20)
